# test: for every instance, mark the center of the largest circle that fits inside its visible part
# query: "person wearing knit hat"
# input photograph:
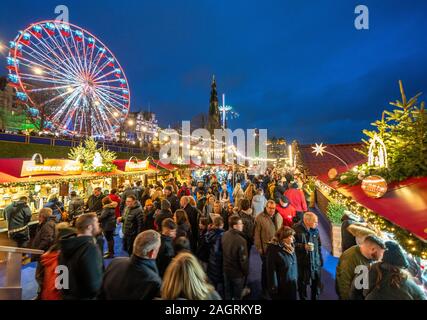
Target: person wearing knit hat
(148, 202)
(389, 281)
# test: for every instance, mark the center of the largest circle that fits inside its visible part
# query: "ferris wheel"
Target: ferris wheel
(68, 79)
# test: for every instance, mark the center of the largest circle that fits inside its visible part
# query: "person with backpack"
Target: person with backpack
(56, 206)
(18, 216)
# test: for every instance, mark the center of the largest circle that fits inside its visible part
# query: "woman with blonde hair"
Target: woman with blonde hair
(250, 191)
(185, 279)
(238, 195)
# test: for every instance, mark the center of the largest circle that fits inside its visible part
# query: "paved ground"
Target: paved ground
(254, 280)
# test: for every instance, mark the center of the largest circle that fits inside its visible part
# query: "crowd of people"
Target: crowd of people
(194, 241)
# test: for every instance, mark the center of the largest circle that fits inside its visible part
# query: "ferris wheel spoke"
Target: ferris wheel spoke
(61, 61)
(44, 68)
(41, 59)
(108, 106)
(111, 95)
(67, 47)
(110, 87)
(101, 69)
(64, 108)
(77, 51)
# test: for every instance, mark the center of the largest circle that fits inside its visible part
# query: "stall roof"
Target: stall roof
(167, 166)
(121, 164)
(10, 172)
(404, 204)
(318, 165)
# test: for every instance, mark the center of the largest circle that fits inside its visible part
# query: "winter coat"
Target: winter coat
(193, 217)
(160, 216)
(203, 249)
(107, 219)
(282, 273)
(165, 255)
(248, 225)
(148, 219)
(258, 204)
(82, 257)
(18, 215)
(265, 229)
(349, 260)
(309, 263)
(57, 207)
(46, 276)
(131, 278)
(200, 204)
(407, 290)
(94, 204)
(213, 241)
(133, 222)
(174, 201)
(235, 254)
(287, 214)
(45, 235)
(238, 196)
(75, 207)
(297, 199)
(116, 198)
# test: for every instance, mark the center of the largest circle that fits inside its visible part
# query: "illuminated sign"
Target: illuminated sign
(51, 166)
(138, 166)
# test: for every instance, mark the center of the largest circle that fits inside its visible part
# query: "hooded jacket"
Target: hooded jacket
(107, 218)
(297, 199)
(83, 259)
(18, 215)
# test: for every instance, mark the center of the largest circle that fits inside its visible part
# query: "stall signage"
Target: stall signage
(51, 166)
(138, 166)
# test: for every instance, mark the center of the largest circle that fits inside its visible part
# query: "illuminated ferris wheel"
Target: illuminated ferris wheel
(69, 78)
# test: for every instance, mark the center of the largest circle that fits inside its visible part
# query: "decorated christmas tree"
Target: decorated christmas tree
(94, 159)
(401, 135)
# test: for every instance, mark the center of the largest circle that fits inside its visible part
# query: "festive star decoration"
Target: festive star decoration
(319, 149)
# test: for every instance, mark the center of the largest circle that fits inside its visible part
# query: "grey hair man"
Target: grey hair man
(136, 277)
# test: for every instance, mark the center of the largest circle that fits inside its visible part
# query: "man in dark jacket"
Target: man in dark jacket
(75, 206)
(133, 222)
(309, 255)
(137, 277)
(45, 234)
(235, 259)
(83, 259)
(18, 215)
(94, 202)
(128, 191)
(193, 216)
(172, 198)
(214, 245)
(248, 222)
(164, 213)
(166, 251)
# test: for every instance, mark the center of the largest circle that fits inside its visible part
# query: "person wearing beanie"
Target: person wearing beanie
(389, 280)
(164, 213)
(371, 250)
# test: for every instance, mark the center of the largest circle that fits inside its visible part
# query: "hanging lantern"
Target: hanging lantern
(377, 155)
(374, 186)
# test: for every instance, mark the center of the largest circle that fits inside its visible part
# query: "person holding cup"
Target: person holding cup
(309, 255)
